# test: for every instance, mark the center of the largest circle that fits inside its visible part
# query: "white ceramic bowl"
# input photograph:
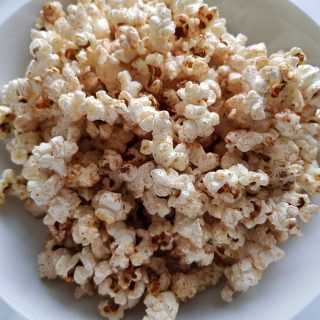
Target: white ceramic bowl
(286, 288)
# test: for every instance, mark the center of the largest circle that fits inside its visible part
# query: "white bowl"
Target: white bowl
(286, 288)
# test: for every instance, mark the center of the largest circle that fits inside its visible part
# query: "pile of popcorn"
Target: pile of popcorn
(162, 152)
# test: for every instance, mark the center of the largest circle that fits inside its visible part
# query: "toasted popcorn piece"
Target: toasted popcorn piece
(162, 306)
(112, 159)
(35, 210)
(111, 288)
(52, 11)
(164, 153)
(19, 188)
(310, 83)
(85, 229)
(165, 181)
(110, 310)
(143, 251)
(189, 202)
(283, 150)
(162, 234)
(111, 207)
(101, 271)
(287, 123)
(248, 271)
(190, 229)
(155, 205)
(161, 27)
(232, 237)
(44, 58)
(20, 93)
(207, 276)
(195, 101)
(83, 273)
(243, 140)
(227, 294)
(129, 45)
(53, 155)
(75, 105)
(6, 118)
(142, 181)
(62, 206)
(84, 290)
(80, 176)
(42, 191)
(21, 145)
(123, 246)
(47, 262)
(228, 184)
(189, 253)
(310, 180)
(184, 286)
(8, 179)
(65, 264)
(204, 161)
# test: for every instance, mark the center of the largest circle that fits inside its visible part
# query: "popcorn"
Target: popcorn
(190, 229)
(164, 153)
(44, 58)
(21, 93)
(66, 263)
(5, 118)
(47, 261)
(243, 140)
(228, 184)
(161, 232)
(20, 146)
(7, 181)
(143, 249)
(162, 306)
(79, 176)
(53, 155)
(76, 105)
(161, 152)
(310, 77)
(42, 191)
(101, 271)
(287, 123)
(52, 11)
(112, 159)
(309, 180)
(36, 211)
(83, 290)
(189, 253)
(187, 285)
(247, 272)
(184, 286)
(110, 207)
(155, 205)
(130, 45)
(161, 27)
(61, 206)
(110, 310)
(195, 101)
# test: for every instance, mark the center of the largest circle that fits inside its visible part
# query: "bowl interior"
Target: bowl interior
(286, 287)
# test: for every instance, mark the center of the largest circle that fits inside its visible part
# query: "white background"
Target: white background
(312, 312)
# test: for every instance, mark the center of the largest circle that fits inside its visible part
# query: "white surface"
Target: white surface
(293, 294)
